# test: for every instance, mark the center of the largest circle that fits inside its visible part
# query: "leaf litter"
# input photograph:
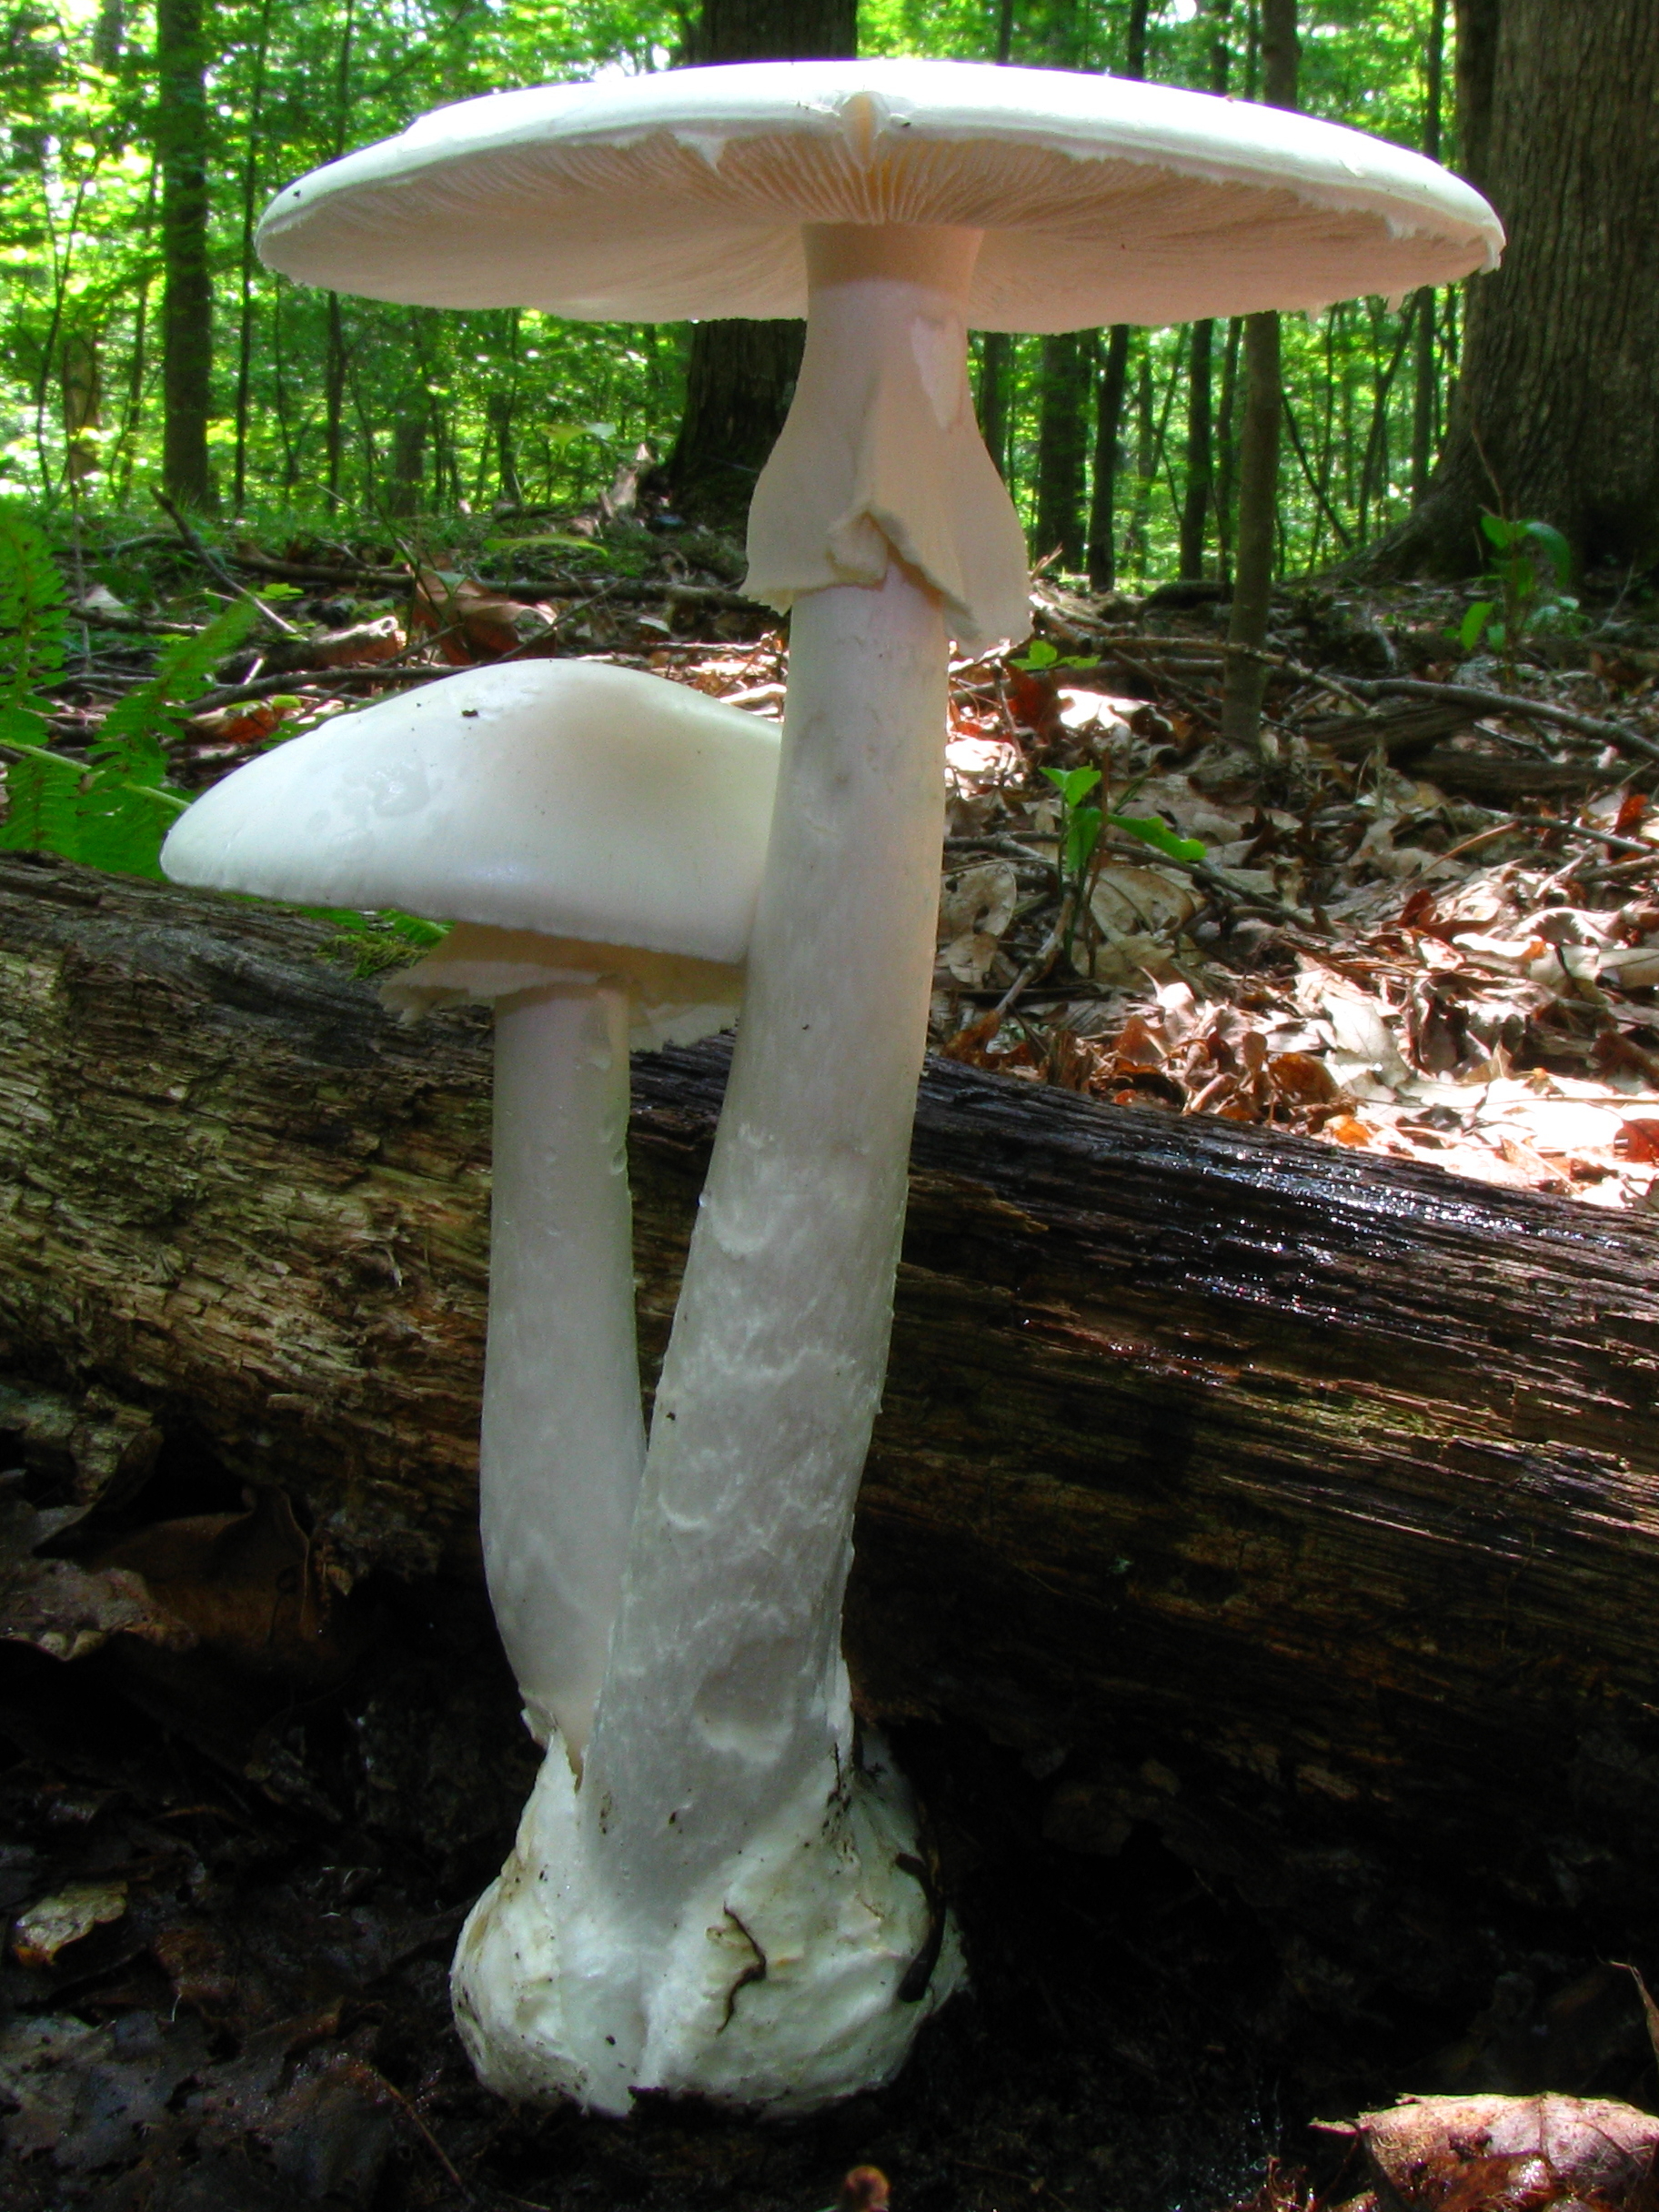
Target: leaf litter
(1421, 922)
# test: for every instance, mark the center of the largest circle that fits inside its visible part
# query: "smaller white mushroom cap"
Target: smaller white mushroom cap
(567, 798)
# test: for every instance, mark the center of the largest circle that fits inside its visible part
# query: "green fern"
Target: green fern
(112, 810)
(33, 619)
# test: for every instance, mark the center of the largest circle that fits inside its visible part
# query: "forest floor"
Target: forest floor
(1423, 918)
(1417, 921)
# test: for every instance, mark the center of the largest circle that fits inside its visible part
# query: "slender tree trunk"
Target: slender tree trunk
(1195, 496)
(334, 359)
(996, 363)
(997, 347)
(1200, 490)
(1062, 445)
(1226, 449)
(186, 315)
(500, 413)
(1113, 383)
(741, 376)
(1252, 590)
(1146, 464)
(82, 390)
(1424, 364)
(334, 397)
(1559, 396)
(1108, 425)
(250, 201)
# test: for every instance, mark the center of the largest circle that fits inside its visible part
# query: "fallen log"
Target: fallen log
(1296, 1509)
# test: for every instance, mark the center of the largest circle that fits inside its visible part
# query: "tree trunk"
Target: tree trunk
(1426, 377)
(990, 401)
(1062, 445)
(741, 376)
(187, 313)
(1195, 496)
(1110, 394)
(1556, 417)
(1114, 381)
(1294, 1505)
(410, 425)
(1253, 591)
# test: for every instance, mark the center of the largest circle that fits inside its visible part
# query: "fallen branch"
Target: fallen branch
(630, 588)
(215, 567)
(1503, 702)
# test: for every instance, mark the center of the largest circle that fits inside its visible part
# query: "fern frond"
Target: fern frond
(33, 619)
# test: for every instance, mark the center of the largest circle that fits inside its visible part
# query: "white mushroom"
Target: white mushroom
(600, 833)
(729, 1902)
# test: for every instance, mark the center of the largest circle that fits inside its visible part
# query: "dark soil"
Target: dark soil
(266, 2025)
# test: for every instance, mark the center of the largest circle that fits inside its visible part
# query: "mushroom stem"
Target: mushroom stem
(726, 1683)
(563, 1438)
(731, 1902)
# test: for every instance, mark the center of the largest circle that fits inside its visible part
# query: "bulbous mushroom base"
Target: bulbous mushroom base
(797, 1976)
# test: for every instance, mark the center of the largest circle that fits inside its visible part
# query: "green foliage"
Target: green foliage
(1530, 566)
(1039, 654)
(370, 944)
(112, 809)
(515, 407)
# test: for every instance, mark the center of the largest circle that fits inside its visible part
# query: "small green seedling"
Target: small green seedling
(1041, 655)
(1531, 565)
(1080, 835)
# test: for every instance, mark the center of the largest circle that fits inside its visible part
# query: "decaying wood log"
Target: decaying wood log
(1301, 1507)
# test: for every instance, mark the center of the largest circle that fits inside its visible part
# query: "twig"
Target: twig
(215, 567)
(522, 586)
(1218, 655)
(1037, 968)
(301, 680)
(1503, 702)
(376, 2084)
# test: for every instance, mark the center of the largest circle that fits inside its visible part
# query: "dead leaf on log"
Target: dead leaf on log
(67, 1610)
(251, 1586)
(1507, 2153)
(52, 1924)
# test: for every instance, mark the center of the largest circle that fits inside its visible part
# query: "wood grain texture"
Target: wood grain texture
(1301, 1505)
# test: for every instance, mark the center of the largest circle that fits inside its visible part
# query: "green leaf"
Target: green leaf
(1473, 624)
(1074, 784)
(1501, 532)
(1082, 835)
(1545, 533)
(43, 812)
(1039, 654)
(1158, 834)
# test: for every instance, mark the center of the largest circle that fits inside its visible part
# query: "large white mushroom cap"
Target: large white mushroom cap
(567, 798)
(684, 194)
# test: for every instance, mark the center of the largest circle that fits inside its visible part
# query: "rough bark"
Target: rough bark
(1296, 1504)
(741, 376)
(186, 314)
(1556, 417)
(1062, 445)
